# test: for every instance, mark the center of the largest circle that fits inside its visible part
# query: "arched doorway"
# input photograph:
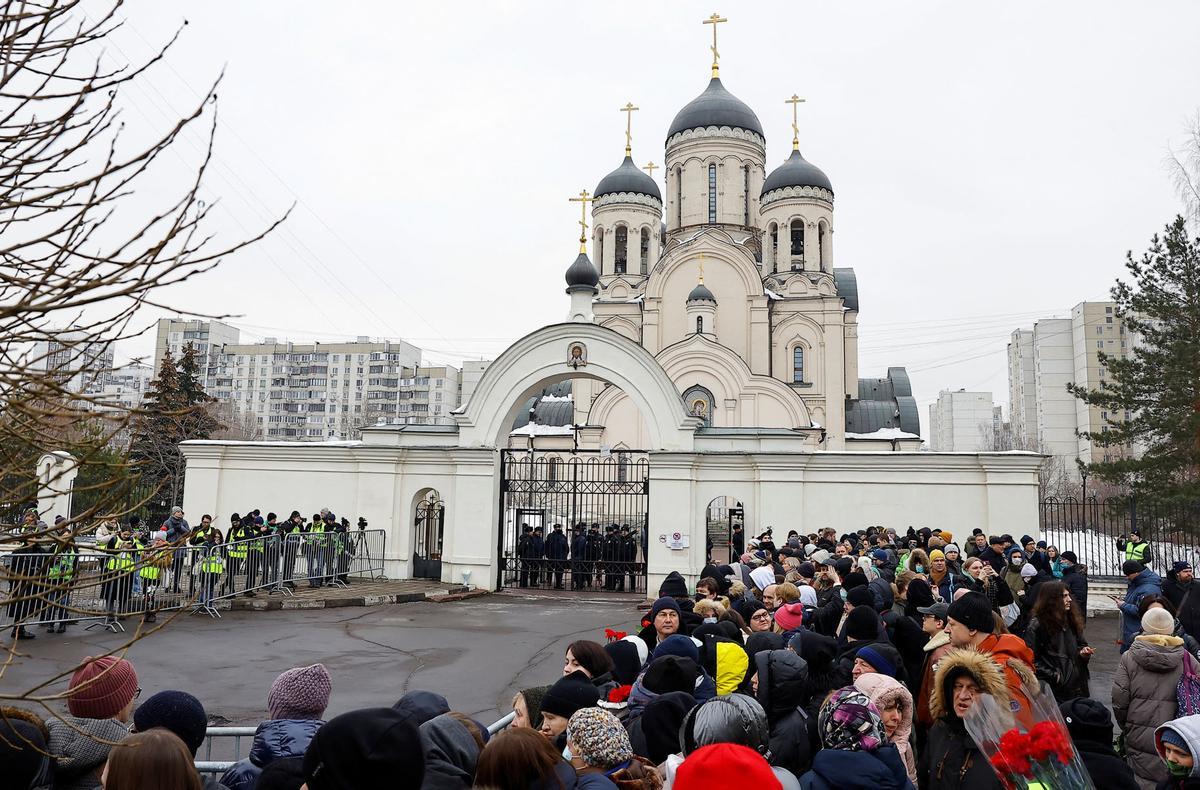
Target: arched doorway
(429, 525)
(726, 519)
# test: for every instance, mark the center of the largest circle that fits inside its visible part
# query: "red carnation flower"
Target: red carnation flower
(619, 694)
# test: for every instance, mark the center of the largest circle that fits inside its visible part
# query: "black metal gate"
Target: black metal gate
(600, 499)
(428, 531)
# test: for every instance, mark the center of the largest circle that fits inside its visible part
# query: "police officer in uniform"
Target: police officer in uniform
(122, 551)
(524, 554)
(238, 551)
(629, 547)
(538, 551)
(612, 549)
(556, 553)
(64, 562)
(595, 550)
(1134, 548)
(579, 576)
(293, 526)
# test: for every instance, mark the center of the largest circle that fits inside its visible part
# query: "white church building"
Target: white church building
(706, 374)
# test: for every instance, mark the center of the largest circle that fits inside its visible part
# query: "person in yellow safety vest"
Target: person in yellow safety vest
(254, 561)
(122, 551)
(320, 563)
(241, 529)
(196, 540)
(61, 575)
(154, 562)
(1134, 548)
(212, 565)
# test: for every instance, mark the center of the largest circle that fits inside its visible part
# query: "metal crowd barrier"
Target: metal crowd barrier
(217, 767)
(108, 588)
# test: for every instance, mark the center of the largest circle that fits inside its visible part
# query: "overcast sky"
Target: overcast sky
(991, 164)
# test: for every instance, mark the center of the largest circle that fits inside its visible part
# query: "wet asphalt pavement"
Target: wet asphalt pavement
(477, 652)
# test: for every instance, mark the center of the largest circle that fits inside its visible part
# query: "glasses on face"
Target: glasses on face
(761, 616)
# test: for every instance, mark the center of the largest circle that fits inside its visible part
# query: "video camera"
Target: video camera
(362, 523)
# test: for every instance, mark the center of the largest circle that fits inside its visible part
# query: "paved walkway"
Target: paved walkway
(359, 593)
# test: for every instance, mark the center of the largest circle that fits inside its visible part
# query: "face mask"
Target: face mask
(1068, 565)
(1175, 769)
(843, 592)
(1018, 562)
(919, 569)
(710, 619)
(567, 753)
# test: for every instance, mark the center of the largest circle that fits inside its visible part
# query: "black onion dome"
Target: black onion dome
(715, 107)
(628, 178)
(582, 273)
(701, 294)
(796, 172)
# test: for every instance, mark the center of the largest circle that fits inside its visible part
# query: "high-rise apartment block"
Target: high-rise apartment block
(962, 421)
(207, 336)
(1042, 361)
(80, 366)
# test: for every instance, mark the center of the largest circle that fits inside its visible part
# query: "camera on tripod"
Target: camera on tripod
(362, 523)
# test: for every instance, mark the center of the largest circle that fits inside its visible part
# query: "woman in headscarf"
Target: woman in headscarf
(895, 706)
(856, 753)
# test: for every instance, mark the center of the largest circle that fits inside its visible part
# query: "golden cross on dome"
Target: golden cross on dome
(702, 268)
(650, 167)
(795, 101)
(583, 199)
(629, 110)
(715, 20)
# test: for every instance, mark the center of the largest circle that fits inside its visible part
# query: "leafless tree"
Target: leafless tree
(1184, 165)
(82, 246)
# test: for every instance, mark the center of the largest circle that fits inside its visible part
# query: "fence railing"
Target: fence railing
(1092, 528)
(52, 587)
(233, 753)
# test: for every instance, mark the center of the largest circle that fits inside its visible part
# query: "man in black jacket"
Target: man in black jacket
(994, 554)
(1075, 577)
(556, 553)
(579, 576)
(1178, 588)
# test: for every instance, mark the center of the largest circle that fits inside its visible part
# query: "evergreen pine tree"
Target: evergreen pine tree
(159, 427)
(1158, 384)
(200, 422)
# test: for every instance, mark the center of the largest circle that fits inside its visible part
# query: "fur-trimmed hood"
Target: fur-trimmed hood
(986, 673)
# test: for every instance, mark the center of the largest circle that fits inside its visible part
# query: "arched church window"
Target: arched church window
(712, 193)
(645, 250)
(600, 250)
(699, 324)
(774, 242)
(746, 195)
(619, 257)
(699, 403)
(798, 365)
(821, 246)
(797, 245)
(678, 197)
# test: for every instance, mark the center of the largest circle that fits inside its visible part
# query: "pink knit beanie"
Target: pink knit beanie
(300, 693)
(101, 687)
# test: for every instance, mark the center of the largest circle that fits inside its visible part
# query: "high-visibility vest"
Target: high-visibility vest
(317, 534)
(212, 563)
(63, 567)
(1135, 551)
(123, 560)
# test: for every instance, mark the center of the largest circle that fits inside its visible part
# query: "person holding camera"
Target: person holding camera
(122, 551)
(293, 526)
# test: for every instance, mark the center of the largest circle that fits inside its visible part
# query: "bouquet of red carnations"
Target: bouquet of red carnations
(614, 636)
(1041, 756)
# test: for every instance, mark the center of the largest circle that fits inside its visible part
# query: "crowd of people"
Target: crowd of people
(143, 568)
(850, 663)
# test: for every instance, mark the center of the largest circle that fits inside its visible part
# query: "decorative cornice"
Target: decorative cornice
(627, 197)
(812, 193)
(717, 131)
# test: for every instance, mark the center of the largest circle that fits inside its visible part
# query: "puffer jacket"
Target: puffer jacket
(859, 770)
(80, 748)
(783, 693)
(886, 692)
(273, 740)
(1187, 728)
(1145, 583)
(1143, 697)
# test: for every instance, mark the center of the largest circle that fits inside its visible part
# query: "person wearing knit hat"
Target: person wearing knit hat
(677, 645)
(24, 760)
(860, 596)
(300, 693)
(103, 688)
(527, 705)
(862, 625)
(626, 658)
(367, 749)
(568, 694)
(296, 705)
(100, 698)
(1178, 744)
(670, 673)
(596, 739)
(725, 765)
(973, 612)
(790, 616)
(177, 711)
(1158, 621)
(1091, 728)
(665, 618)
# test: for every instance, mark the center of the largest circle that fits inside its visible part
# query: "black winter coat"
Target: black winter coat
(910, 639)
(1075, 578)
(1186, 599)
(783, 690)
(1104, 766)
(1057, 662)
(556, 546)
(952, 761)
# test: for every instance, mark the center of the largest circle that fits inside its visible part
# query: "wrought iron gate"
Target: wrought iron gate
(428, 531)
(601, 501)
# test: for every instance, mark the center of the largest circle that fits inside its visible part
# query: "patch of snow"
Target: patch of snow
(555, 398)
(533, 429)
(637, 299)
(816, 424)
(883, 433)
